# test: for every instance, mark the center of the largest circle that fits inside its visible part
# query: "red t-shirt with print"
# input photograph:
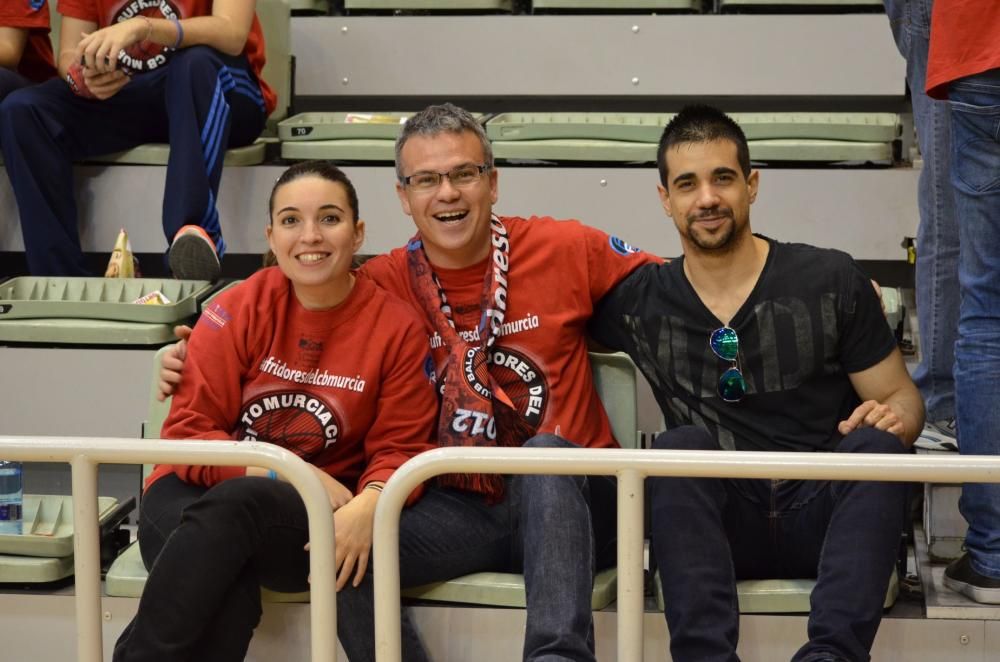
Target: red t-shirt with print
(558, 271)
(146, 55)
(965, 40)
(347, 389)
(37, 62)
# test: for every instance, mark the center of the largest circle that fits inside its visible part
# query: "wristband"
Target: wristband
(373, 486)
(180, 32)
(272, 474)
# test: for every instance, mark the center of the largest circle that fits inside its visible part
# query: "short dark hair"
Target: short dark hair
(698, 124)
(443, 118)
(322, 169)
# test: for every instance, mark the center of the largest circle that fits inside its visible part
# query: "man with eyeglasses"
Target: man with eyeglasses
(753, 344)
(506, 301)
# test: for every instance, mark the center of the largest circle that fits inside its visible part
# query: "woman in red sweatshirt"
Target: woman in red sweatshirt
(303, 355)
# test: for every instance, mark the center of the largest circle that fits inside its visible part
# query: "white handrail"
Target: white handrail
(85, 453)
(631, 467)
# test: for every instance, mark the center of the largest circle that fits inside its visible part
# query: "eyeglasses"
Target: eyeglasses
(462, 176)
(726, 345)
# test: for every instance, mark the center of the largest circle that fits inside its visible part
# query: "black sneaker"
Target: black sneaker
(962, 578)
(192, 255)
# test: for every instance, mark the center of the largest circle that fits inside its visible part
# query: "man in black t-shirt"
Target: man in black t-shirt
(753, 344)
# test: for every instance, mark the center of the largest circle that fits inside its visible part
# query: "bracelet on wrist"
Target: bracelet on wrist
(180, 32)
(374, 486)
(272, 474)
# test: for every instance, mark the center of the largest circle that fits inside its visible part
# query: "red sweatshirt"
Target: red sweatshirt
(965, 40)
(36, 61)
(346, 389)
(558, 271)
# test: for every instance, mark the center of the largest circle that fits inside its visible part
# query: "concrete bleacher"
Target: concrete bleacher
(629, 63)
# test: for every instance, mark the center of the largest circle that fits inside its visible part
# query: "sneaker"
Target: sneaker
(938, 436)
(192, 255)
(962, 578)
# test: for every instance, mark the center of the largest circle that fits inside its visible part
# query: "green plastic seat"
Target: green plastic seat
(633, 137)
(779, 596)
(44, 553)
(728, 4)
(693, 5)
(94, 311)
(275, 21)
(614, 378)
(428, 5)
(309, 6)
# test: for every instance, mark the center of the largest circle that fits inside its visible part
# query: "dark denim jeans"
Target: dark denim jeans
(708, 533)
(975, 124)
(546, 527)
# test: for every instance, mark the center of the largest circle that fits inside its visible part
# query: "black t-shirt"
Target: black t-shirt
(812, 318)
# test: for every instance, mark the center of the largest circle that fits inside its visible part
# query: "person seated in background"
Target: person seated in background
(25, 49)
(185, 73)
(753, 344)
(303, 355)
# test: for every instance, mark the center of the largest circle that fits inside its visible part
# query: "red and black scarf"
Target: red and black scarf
(475, 411)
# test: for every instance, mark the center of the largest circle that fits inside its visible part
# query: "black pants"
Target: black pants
(208, 551)
(707, 533)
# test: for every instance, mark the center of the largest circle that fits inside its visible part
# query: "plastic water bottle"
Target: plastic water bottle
(11, 497)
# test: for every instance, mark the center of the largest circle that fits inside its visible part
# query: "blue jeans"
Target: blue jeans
(554, 529)
(975, 124)
(708, 532)
(937, 234)
(10, 81)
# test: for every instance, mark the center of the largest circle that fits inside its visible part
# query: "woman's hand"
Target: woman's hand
(172, 366)
(352, 526)
(98, 51)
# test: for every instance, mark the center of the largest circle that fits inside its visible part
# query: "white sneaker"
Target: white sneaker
(938, 436)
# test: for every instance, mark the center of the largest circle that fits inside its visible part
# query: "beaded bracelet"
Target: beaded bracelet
(272, 474)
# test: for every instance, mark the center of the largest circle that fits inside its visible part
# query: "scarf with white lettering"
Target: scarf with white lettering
(475, 410)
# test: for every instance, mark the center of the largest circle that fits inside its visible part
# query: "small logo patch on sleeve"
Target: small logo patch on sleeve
(622, 247)
(215, 315)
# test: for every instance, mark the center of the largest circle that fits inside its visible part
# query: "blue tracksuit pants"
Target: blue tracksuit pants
(201, 103)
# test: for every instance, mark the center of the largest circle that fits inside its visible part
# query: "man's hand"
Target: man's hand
(172, 366)
(873, 414)
(104, 85)
(335, 490)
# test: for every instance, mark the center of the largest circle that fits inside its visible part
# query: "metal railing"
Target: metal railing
(85, 453)
(631, 467)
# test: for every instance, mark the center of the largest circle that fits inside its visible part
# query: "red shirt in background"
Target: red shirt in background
(346, 389)
(37, 63)
(558, 271)
(109, 12)
(965, 40)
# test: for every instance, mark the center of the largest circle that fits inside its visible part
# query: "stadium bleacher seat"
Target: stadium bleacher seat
(779, 596)
(95, 311)
(429, 5)
(632, 137)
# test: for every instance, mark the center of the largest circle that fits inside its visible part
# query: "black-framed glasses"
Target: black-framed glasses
(461, 176)
(726, 345)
